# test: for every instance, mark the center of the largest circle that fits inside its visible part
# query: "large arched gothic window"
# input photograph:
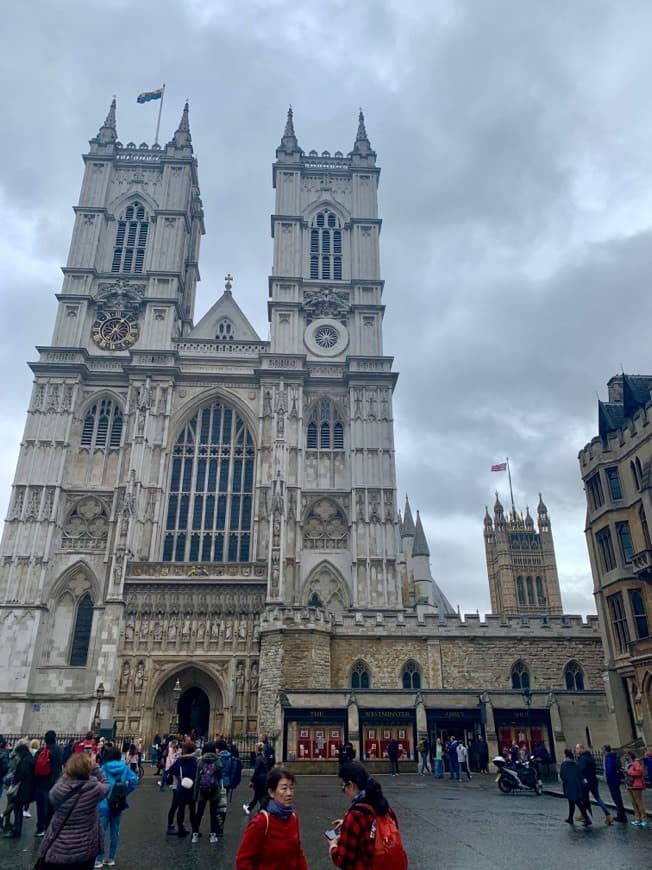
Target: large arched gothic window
(130, 239)
(82, 632)
(102, 425)
(520, 676)
(360, 676)
(326, 247)
(210, 501)
(411, 676)
(325, 430)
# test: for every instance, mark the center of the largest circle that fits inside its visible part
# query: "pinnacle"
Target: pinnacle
(420, 546)
(289, 126)
(408, 523)
(362, 131)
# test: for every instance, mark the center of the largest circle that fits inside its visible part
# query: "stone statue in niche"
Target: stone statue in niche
(215, 630)
(144, 628)
(201, 630)
(239, 686)
(253, 680)
(139, 677)
(276, 531)
(277, 495)
(242, 628)
(267, 404)
(144, 400)
(172, 629)
(124, 677)
(228, 630)
(185, 628)
(158, 629)
(130, 628)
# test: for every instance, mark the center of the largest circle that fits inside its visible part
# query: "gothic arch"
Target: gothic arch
(326, 582)
(574, 673)
(70, 579)
(76, 586)
(177, 669)
(334, 205)
(117, 205)
(520, 676)
(190, 408)
(411, 675)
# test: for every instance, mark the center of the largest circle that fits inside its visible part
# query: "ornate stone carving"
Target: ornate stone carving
(325, 526)
(121, 294)
(326, 302)
(139, 677)
(125, 677)
(87, 525)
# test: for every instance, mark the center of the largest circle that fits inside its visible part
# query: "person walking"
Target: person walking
(571, 779)
(74, 836)
(4, 762)
(122, 780)
(613, 773)
(439, 759)
(451, 751)
(588, 772)
(635, 780)
(346, 753)
(185, 770)
(272, 839)
(47, 770)
(258, 780)
(21, 791)
(210, 789)
(462, 761)
(172, 753)
(424, 752)
(353, 847)
(483, 754)
(392, 754)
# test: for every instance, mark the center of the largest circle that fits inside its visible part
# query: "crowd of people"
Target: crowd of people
(80, 793)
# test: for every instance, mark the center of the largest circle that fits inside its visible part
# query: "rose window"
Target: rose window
(326, 336)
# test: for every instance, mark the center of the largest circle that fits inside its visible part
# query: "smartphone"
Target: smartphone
(332, 834)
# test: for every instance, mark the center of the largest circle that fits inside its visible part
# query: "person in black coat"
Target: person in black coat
(571, 778)
(22, 787)
(43, 784)
(588, 772)
(613, 773)
(392, 754)
(258, 780)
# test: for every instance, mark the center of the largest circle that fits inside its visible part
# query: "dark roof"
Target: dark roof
(613, 415)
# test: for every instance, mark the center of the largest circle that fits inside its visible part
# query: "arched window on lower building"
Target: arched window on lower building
(360, 678)
(520, 676)
(411, 676)
(574, 677)
(82, 632)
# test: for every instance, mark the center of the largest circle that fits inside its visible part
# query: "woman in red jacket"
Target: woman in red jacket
(636, 787)
(272, 837)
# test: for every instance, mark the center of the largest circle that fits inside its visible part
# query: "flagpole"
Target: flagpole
(158, 122)
(511, 492)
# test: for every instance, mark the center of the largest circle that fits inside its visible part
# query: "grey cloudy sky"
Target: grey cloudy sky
(515, 140)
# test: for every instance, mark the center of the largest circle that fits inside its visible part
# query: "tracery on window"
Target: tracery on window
(102, 425)
(87, 525)
(326, 246)
(209, 513)
(360, 678)
(574, 677)
(325, 430)
(411, 676)
(520, 676)
(130, 239)
(225, 330)
(325, 526)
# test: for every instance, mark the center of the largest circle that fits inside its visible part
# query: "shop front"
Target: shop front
(464, 724)
(378, 727)
(313, 735)
(528, 729)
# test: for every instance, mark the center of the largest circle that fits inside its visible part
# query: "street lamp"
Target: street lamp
(176, 692)
(99, 694)
(527, 697)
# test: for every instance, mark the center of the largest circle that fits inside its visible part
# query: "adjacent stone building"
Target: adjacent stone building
(616, 468)
(204, 524)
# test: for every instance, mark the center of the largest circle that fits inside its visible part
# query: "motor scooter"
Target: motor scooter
(518, 775)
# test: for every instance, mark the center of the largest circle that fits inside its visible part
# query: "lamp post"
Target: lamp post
(99, 694)
(527, 697)
(176, 693)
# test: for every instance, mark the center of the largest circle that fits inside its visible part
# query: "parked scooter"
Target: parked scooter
(518, 775)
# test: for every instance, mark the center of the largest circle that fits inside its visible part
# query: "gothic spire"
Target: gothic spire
(289, 143)
(182, 137)
(409, 530)
(420, 545)
(108, 133)
(487, 518)
(362, 146)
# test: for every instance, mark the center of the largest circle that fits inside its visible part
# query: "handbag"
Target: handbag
(40, 861)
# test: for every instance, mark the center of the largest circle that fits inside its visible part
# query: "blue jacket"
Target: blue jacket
(114, 771)
(612, 768)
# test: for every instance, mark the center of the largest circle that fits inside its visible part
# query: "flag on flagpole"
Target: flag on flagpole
(146, 96)
(502, 466)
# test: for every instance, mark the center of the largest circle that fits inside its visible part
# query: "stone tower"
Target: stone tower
(521, 562)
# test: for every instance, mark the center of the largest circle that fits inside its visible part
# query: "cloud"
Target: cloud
(514, 192)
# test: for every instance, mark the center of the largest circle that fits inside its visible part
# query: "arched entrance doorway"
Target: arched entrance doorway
(194, 712)
(199, 704)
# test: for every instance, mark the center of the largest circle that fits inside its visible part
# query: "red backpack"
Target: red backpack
(389, 853)
(43, 766)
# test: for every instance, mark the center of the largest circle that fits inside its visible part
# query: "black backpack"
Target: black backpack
(117, 800)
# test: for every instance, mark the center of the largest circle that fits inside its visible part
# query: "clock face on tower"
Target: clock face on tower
(115, 329)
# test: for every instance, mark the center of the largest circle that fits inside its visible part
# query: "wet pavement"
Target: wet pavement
(445, 825)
